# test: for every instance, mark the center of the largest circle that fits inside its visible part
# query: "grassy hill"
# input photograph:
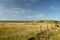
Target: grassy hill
(24, 30)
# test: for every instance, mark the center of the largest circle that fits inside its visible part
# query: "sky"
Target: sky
(30, 10)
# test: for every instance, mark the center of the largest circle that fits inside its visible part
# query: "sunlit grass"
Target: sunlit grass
(22, 31)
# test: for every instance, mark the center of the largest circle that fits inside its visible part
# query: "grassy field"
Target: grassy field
(28, 30)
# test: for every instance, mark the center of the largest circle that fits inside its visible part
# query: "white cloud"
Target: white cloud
(14, 10)
(35, 17)
(6, 13)
(39, 16)
(8, 10)
(29, 17)
(54, 7)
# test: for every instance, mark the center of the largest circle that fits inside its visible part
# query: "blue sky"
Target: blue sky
(30, 10)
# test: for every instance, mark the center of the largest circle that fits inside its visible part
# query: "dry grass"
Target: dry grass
(22, 31)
